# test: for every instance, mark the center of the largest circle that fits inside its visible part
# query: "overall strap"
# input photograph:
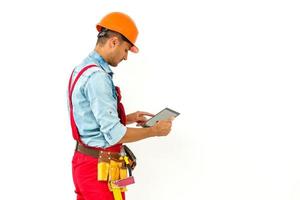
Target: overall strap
(121, 110)
(75, 131)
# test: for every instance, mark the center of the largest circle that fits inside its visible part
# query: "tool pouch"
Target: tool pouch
(131, 156)
(103, 169)
(114, 168)
(108, 165)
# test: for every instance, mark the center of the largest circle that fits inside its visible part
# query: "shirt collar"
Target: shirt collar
(100, 61)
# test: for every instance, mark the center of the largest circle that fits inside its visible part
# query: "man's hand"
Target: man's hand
(138, 117)
(162, 127)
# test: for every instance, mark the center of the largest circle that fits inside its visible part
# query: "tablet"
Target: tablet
(162, 115)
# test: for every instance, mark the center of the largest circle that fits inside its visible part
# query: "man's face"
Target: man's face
(119, 53)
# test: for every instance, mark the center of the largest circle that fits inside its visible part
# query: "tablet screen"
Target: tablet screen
(162, 115)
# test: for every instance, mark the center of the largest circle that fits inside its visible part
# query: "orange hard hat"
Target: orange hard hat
(121, 23)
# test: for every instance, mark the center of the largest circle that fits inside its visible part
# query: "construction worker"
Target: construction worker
(98, 119)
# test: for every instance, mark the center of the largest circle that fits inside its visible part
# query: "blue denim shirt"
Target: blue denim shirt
(95, 104)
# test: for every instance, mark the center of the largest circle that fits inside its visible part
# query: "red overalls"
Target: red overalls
(84, 167)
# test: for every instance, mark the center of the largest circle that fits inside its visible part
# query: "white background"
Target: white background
(231, 68)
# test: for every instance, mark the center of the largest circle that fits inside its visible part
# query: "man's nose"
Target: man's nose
(125, 57)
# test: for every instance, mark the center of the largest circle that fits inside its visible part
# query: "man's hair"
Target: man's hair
(105, 34)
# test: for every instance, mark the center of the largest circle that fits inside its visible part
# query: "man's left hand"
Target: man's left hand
(138, 117)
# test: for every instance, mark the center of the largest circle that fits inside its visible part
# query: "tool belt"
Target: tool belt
(112, 166)
(95, 152)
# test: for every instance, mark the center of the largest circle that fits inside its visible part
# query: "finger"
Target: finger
(166, 121)
(141, 119)
(171, 118)
(146, 113)
(139, 124)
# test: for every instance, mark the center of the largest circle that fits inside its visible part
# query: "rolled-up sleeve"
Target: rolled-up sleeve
(99, 92)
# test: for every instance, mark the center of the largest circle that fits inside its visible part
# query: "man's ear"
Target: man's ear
(114, 41)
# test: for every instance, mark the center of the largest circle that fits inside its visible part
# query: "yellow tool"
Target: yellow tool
(114, 173)
(117, 193)
(126, 160)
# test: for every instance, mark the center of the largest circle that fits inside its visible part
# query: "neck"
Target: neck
(101, 52)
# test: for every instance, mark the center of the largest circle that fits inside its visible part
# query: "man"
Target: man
(97, 115)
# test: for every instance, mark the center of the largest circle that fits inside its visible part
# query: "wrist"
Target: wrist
(151, 131)
(129, 118)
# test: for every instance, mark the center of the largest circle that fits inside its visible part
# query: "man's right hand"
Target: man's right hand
(162, 127)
